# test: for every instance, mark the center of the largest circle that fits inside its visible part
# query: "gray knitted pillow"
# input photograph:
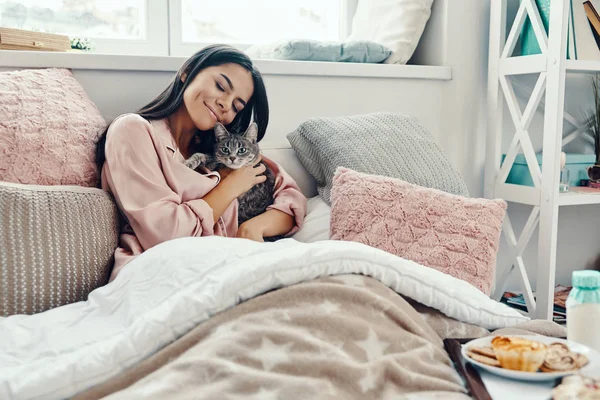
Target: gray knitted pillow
(388, 144)
(56, 245)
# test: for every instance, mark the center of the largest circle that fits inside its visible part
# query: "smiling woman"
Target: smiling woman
(213, 92)
(142, 159)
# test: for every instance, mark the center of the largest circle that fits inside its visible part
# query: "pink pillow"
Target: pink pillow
(453, 234)
(48, 129)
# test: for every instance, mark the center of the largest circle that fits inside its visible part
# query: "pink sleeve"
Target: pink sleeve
(288, 198)
(136, 178)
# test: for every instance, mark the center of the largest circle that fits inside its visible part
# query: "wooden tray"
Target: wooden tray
(467, 371)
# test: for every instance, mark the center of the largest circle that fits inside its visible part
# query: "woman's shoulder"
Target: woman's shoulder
(129, 120)
(129, 127)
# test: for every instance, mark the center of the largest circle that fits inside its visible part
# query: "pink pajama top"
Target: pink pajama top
(161, 199)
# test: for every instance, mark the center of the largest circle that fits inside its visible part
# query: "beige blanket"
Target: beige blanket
(345, 337)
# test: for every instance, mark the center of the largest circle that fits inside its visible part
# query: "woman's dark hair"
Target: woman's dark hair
(171, 98)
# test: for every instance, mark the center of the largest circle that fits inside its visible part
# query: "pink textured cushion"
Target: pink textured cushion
(453, 234)
(48, 129)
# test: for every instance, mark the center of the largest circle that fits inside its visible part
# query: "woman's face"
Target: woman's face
(217, 94)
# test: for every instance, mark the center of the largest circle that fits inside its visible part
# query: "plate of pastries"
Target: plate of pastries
(532, 357)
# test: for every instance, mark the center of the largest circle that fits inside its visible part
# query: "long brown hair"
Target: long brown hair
(171, 98)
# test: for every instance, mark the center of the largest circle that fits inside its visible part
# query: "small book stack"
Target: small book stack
(583, 40)
(18, 39)
(516, 300)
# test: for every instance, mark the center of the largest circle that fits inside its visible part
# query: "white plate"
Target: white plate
(591, 369)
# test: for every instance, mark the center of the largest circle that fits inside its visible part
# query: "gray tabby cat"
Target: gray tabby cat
(237, 150)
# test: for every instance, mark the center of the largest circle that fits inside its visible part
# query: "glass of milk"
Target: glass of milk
(583, 309)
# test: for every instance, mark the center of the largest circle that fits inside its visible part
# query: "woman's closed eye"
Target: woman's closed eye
(235, 108)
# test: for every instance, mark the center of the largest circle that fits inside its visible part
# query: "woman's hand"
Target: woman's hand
(233, 183)
(251, 230)
(224, 172)
(243, 179)
(270, 223)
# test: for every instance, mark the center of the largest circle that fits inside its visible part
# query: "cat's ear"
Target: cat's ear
(252, 132)
(220, 132)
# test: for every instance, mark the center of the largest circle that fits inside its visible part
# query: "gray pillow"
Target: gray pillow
(57, 244)
(387, 144)
(312, 50)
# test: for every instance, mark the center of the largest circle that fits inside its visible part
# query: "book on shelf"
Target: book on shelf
(529, 42)
(517, 300)
(594, 21)
(583, 37)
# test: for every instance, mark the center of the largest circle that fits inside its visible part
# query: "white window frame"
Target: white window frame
(157, 35)
(156, 42)
(163, 32)
(179, 48)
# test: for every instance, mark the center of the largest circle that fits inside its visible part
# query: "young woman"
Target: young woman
(141, 157)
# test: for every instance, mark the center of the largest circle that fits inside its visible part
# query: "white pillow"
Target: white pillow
(316, 223)
(395, 24)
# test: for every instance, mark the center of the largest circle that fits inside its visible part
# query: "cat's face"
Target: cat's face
(238, 149)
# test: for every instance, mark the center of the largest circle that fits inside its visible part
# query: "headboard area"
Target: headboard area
(434, 87)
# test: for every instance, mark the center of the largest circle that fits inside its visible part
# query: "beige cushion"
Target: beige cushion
(56, 245)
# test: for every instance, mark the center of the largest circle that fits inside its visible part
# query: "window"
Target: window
(243, 22)
(180, 27)
(114, 26)
(97, 19)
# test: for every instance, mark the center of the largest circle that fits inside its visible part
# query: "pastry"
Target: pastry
(483, 359)
(484, 351)
(577, 387)
(519, 354)
(560, 358)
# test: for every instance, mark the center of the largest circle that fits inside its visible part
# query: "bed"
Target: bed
(232, 318)
(304, 317)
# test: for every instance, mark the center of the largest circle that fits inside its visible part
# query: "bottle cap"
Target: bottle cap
(586, 279)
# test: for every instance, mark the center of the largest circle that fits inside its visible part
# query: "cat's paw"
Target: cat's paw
(196, 160)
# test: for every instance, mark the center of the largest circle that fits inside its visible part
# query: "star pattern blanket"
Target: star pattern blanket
(342, 337)
(220, 318)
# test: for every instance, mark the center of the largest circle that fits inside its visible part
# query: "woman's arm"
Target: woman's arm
(270, 223)
(157, 213)
(285, 216)
(219, 199)
(233, 184)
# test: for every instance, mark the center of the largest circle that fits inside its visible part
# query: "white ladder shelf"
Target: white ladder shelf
(544, 197)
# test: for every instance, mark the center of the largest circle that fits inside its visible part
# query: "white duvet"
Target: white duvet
(172, 287)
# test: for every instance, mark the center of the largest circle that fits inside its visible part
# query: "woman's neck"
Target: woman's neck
(183, 129)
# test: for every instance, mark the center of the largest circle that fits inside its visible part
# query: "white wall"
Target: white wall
(292, 99)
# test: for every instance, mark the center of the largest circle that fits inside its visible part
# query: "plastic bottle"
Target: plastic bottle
(583, 309)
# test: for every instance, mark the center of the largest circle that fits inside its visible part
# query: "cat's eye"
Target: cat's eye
(225, 150)
(242, 150)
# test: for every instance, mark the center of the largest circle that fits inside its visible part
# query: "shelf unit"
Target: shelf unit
(544, 197)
